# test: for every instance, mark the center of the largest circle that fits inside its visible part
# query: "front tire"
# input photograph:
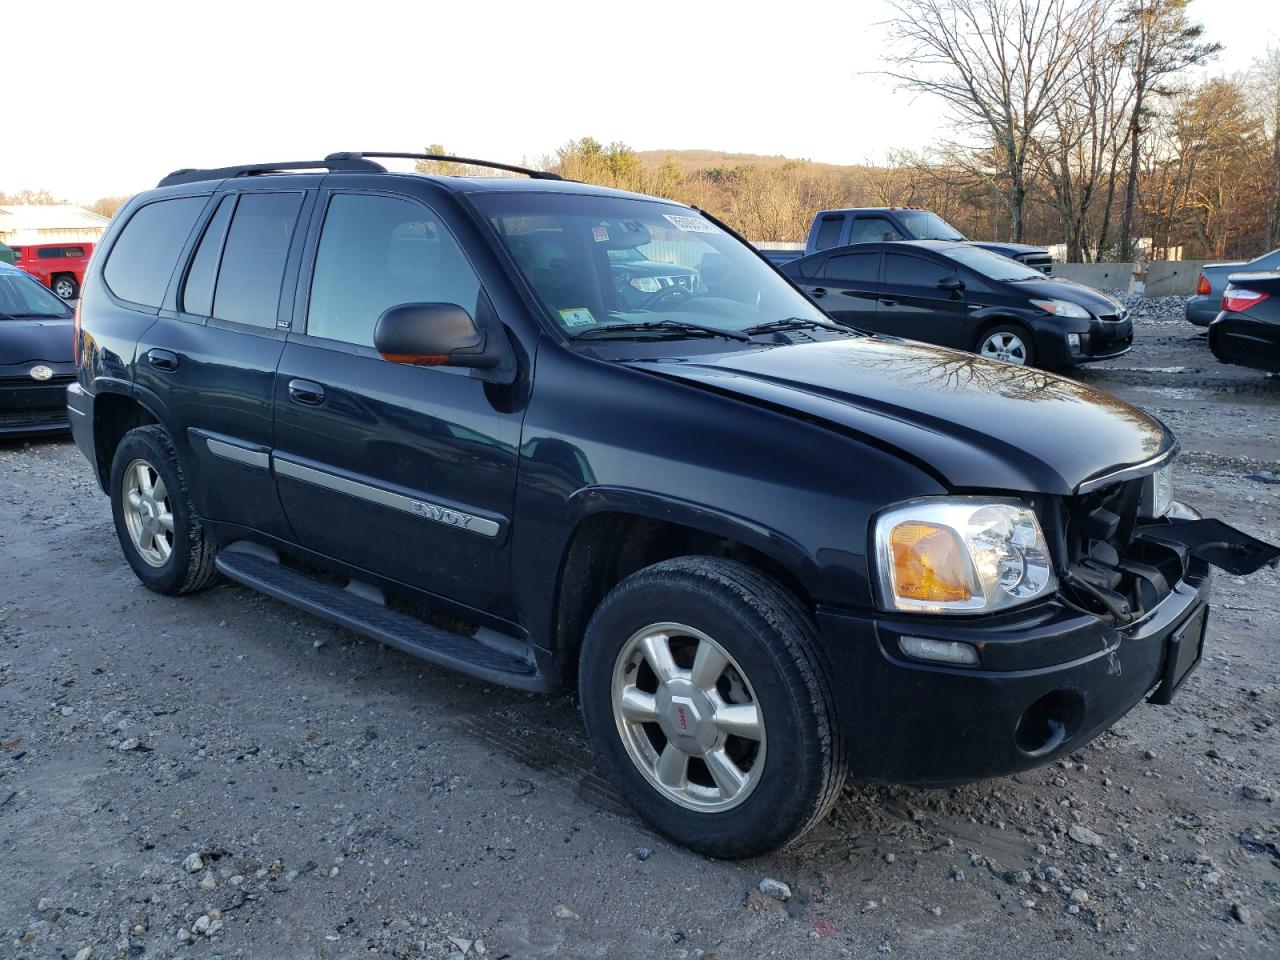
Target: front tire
(161, 535)
(1007, 343)
(703, 684)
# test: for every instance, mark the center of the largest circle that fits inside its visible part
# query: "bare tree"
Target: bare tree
(1084, 139)
(1161, 41)
(1001, 65)
(1265, 90)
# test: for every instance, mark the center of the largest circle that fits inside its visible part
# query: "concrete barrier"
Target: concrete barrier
(1101, 276)
(1165, 278)
(1173, 278)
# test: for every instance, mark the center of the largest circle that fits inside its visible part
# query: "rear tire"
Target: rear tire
(739, 751)
(65, 287)
(161, 535)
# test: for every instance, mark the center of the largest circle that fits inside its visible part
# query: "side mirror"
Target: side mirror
(951, 284)
(432, 335)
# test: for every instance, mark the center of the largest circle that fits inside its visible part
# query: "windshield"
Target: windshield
(923, 225)
(992, 265)
(589, 260)
(24, 298)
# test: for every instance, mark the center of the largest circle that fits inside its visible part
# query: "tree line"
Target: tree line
(1072, 122)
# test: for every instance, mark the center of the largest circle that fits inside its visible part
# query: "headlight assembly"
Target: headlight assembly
(960, 555)
(1063, 308)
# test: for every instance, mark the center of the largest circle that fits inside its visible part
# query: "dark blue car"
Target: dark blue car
(36, 340)
(964, 296)
(767, 550)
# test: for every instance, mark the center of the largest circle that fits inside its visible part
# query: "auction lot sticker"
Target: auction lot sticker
(577, 317)
(691, 224)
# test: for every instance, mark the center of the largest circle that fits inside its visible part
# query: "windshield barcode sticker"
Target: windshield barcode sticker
(691, 224)
(577, 317)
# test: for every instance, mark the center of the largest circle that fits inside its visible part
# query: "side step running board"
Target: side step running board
(491, 657)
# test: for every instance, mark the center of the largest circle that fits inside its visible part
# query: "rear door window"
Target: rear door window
(197, 295)
(253, 258)
(142, 259)
(853, 268)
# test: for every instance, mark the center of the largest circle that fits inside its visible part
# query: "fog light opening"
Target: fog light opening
(939, 651)
(1048, 723)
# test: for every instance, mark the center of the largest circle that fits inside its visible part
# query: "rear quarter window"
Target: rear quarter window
(142, 259)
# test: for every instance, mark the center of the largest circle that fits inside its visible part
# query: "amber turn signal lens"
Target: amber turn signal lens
(929, 563)
(1202, 286)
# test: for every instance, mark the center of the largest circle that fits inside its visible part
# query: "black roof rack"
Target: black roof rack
(510, 168)
(348, 162)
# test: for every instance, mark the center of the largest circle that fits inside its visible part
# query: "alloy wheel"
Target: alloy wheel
(65, 289)
(688, 717)
(1005, 346)
(148, 514)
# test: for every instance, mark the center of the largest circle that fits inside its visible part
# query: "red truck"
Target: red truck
(59, 266)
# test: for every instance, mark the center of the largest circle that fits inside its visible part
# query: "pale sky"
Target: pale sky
(105, 98)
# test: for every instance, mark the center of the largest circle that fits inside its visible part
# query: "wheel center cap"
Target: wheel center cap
(686, 716)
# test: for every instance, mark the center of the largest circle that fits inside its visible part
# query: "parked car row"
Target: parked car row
(59, 266)
(841, 228)
(1206, 303)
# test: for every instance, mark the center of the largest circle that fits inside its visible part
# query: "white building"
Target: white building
(49, 223)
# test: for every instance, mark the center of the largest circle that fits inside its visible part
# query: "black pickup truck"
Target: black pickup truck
(767, 550)
(839, 228)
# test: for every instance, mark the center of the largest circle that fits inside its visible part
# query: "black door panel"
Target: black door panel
(214, 374)
(408, 472)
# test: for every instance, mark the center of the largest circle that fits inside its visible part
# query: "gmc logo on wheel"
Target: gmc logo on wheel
(680, 716)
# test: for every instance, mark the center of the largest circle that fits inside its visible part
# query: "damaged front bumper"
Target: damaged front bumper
(1050, 677)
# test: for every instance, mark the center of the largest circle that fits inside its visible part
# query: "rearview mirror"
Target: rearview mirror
(432, 335)
(951, 284)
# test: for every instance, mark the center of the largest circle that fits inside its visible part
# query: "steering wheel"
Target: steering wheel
(674, 291)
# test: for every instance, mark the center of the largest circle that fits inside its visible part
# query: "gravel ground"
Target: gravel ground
(222, 776)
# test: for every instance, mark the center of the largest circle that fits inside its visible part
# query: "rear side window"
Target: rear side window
(873, 230)
(853, 267)
(59, 253)
(828, 233)
(197, 295)
(142, 259)
(248, 285)
(379, 252)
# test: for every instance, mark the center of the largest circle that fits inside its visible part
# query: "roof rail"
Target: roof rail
(334, 162)
(511, 168)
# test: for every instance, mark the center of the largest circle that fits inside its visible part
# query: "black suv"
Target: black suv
(768, 550)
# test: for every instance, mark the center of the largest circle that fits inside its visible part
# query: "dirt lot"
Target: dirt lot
(221, 776)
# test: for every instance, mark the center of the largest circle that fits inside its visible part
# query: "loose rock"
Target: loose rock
(1082, 834)
(774, 888)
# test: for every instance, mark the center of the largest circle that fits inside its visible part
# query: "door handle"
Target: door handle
(888, 303)
(162, 359)
(306, 391)
(818, 292)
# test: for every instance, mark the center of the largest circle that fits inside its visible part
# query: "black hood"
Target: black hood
(1013, 250)
(49, 341)
(977, 423)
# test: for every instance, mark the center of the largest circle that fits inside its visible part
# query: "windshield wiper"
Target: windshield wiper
(660, 326)
(794, 323)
